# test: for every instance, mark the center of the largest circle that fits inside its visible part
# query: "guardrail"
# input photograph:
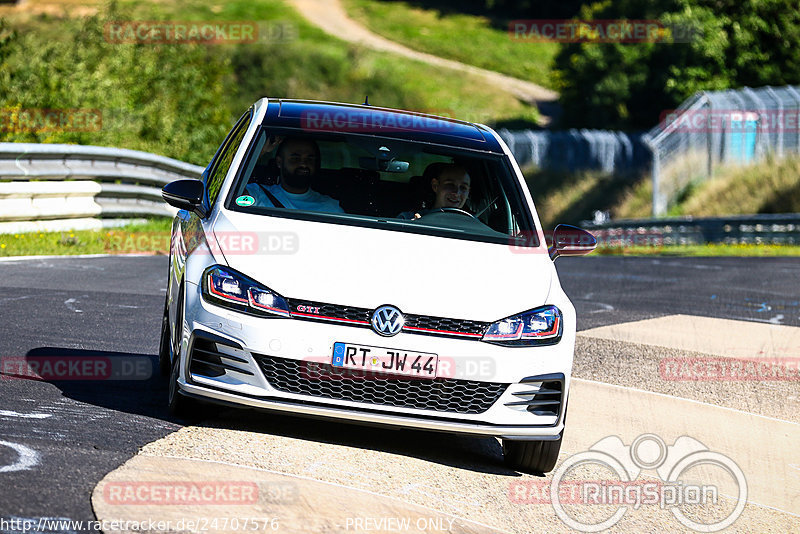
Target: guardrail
(783, 228)
(54, 187)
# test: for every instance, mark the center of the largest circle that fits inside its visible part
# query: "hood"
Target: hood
(368, 267)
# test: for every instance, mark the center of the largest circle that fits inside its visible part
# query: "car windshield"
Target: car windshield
(393, 184)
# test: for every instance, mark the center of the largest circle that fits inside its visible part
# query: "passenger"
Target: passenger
(450, 184)
(298, 161)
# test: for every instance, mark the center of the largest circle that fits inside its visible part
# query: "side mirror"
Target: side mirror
(185, 194)
(571, 241)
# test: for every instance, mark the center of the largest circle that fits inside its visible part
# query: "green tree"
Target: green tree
(629, 85)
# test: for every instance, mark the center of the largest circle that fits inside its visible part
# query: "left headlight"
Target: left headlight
(225, 287)
(541, 326)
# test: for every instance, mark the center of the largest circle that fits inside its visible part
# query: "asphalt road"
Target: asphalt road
(609, 290)
(73, 432)
(68, 306)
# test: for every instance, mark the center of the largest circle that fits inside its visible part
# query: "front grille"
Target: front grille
(435, 325)
(306, 309)
(323, 380)
(416, 324)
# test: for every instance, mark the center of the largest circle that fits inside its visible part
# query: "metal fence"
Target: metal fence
(720, 128)
(53, 187)
(576, 150)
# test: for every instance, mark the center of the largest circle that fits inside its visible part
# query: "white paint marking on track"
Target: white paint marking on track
(753, 319)
(777, 319)
(28, 458)
(6, 299)
(603, 307)
(9, 413)
(70, 304)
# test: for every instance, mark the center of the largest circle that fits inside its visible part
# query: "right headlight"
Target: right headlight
(225, 287)
(540, 326)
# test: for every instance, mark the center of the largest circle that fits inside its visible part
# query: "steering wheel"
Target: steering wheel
(450, 210)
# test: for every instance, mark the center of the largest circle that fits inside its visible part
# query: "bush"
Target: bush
(165, 99)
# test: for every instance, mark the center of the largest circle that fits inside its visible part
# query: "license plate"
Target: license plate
(383, 360)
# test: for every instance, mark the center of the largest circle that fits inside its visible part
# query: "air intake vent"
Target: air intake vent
(207, 353)
(542, 395)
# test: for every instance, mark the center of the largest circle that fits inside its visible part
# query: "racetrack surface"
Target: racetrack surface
(74, 433)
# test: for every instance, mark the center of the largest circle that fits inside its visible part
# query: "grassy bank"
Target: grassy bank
(770, 186)
(470, 39)
(563, 197)
(710, 249)
(151, 237)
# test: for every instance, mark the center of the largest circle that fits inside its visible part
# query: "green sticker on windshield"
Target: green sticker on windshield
(245, 200)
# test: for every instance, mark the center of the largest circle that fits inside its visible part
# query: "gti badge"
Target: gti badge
(387, 320)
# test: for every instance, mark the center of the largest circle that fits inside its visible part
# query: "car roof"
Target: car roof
(333, 117)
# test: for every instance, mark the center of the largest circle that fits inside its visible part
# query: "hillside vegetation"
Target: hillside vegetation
(479, 40)
(179, 100)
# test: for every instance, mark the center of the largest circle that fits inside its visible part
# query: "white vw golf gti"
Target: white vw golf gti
(375, 266)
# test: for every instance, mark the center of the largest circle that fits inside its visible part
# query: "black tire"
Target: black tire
(165, 341)
(179, 405)
(536, 457)
(165, 346)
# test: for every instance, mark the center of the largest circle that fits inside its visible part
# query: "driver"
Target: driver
(450, 185)
(298, 161)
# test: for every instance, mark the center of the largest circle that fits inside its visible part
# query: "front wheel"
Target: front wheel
(536, 457)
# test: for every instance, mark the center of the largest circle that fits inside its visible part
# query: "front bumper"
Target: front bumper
(515, 414)
(381, 419)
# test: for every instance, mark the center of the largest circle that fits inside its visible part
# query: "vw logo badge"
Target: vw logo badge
(387, 321)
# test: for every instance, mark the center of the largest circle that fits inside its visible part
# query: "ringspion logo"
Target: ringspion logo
(689, 480)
